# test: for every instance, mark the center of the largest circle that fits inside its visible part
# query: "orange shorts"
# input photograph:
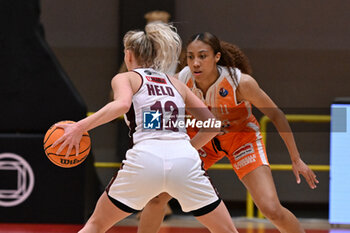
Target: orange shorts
(245, 151)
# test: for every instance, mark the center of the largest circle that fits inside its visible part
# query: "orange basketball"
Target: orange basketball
(54, 133)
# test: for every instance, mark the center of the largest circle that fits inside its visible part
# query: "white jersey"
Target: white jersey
(156, 109)
(162, 158)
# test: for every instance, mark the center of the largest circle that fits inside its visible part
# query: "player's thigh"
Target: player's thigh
(218, 220)
(261, 186)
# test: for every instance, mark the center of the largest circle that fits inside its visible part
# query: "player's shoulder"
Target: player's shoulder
(179, 86)
(176, 82)
(247, 83)
(126, 74)
(125, 79)
(247, 79)
(129, 75)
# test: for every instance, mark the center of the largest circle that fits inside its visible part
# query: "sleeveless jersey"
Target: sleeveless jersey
(241, 140)
(156, 109)
(221, 100)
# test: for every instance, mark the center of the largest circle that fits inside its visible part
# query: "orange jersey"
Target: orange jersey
(240, 140)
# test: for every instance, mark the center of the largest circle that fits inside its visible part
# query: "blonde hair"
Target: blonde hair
(157, 47)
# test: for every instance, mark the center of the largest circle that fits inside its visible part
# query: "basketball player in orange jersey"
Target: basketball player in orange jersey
(212, 75)
(162, 159)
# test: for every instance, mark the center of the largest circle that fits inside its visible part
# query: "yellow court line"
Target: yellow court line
(227, 166)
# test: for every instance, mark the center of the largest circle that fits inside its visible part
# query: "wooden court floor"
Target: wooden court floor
(177, 224)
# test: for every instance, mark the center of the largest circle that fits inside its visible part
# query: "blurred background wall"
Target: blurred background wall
(84, 35)
(299, 52)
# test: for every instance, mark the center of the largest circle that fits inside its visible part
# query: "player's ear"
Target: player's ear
(128, 58)
(217, 57)
(127, 53)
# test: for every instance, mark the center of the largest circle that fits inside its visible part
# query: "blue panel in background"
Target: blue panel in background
(339, 196)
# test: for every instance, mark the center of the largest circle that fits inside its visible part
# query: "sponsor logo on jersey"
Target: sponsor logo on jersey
(151, 119)
(223, 92)
(243, 151)
(156, 79)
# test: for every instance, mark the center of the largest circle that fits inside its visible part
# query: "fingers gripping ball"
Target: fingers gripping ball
(54, 133)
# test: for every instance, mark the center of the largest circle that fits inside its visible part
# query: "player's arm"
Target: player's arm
(123, 93)
(249, 90)
(201, 112)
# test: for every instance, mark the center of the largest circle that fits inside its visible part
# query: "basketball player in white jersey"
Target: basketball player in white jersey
(163, 159)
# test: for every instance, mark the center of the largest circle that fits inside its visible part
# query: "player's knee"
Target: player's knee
(225, 228)
(94, 225)
(230, 229)
(159, 202)
(156, 202)
(272, 211)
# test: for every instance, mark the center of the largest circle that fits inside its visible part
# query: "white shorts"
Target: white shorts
(155, 166)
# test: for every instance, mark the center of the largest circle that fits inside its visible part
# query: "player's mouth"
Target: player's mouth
(196, 73)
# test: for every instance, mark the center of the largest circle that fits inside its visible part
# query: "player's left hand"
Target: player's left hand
(299, 167)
